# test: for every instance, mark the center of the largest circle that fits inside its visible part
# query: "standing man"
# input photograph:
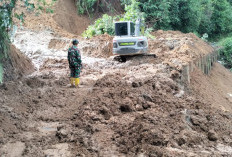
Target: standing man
(75, 63)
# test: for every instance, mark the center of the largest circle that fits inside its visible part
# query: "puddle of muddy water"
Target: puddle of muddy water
(229, 94)
(48, 128)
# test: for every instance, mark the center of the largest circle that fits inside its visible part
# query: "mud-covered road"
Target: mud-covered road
(138, 108)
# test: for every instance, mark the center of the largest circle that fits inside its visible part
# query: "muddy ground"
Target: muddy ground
(137, 108)
(121, 109)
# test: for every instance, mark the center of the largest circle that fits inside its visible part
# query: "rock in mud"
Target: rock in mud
(105, 112)
(136, 84)
(212, 135)
(125, 108)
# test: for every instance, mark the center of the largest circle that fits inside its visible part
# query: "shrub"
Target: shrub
(101, 26)
(85, 6)
(226, 52)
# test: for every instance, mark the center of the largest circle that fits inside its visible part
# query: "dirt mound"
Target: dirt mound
(176, 48)
(121, 109)
(17, 65)
(59, 44)
(63, 22)
(67, 18)
(20, 62)
(99, 46)
(171, 47)
(146, 117)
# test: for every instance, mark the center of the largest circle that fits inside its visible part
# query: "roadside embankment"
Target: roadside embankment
(15, 65)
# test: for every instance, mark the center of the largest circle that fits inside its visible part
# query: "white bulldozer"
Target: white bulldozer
(129, 39)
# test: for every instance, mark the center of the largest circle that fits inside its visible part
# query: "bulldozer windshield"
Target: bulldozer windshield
(121, 29)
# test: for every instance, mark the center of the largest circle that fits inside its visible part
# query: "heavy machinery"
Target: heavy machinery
(129, 39)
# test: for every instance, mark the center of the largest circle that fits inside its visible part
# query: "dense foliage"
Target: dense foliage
(5, 23)
(213, 17)
(85, 6)
(226, 52)
(106, 23)
(221, 18)
(101, 26)
(200, 16)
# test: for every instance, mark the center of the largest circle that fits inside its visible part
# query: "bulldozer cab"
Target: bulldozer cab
(128, 39)
(124, 28)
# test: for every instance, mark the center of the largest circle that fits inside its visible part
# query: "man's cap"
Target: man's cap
(75, 41)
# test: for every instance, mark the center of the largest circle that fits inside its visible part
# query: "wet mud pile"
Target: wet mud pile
(177, 49)
(149, 118)
(100, 46)
(32, 110)
(137, 108)
(16, 64)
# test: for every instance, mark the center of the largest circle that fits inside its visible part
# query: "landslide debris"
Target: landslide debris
(64, 21)
(177, 49)
(137, 108)
(131, 109)
(113, 116)
(145, 117)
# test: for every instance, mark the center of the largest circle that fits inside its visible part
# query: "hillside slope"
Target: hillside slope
(216, 89)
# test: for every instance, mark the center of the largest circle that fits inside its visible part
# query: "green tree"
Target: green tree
(86, 6)
(106, 23)
(226, 52)
(221, 18)
(206, 23)
(156, 13)
(185, 15)
(101, 26)
(230, 1)
(6, 8)
(132, 12)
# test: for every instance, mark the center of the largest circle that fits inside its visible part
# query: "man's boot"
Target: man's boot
(77, 81)
(72, 82)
